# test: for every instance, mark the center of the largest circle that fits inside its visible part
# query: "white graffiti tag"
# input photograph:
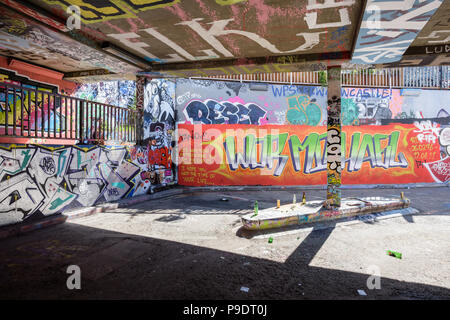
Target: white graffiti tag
(427, 131)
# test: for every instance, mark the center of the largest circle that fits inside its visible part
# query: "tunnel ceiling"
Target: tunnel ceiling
(198, 38)
(437, 30)
(244, 28)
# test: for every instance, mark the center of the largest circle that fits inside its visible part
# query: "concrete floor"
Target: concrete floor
(192, 246)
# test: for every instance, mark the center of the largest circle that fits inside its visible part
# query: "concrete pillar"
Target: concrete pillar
(140, 84)
(333, 144)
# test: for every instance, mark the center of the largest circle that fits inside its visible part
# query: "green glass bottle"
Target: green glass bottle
(394, 254)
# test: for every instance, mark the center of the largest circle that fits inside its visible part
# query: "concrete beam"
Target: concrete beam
(270, 64)
(389, 27)
(431, 55)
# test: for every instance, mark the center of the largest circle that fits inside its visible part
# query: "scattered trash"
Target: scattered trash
(362, 293)
(299, 284)
(223, 258)
(246, 263)
(303, 293)
(394, 254)
(270, 240)
(224, 199)
(304, 198)
(278, 203)
(402, 195)
(245, 289)
(256, 208)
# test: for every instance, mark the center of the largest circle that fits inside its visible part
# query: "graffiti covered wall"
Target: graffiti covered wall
(37, 181)
(223, 102)
(380, 106)
(389, 135)
(159, 128)
(116, 93)
(31, 77)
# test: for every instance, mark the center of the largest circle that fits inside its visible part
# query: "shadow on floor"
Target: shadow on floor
(117, 265)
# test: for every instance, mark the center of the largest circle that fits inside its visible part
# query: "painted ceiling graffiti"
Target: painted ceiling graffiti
(310, 40)
(216, 112)
(168, 31)
(437, 37)
(96, 11)
(28, 40)
(389, 27)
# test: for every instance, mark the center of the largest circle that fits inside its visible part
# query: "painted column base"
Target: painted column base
(314, 211)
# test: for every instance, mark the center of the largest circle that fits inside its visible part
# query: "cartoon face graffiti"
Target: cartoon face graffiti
(158, 102)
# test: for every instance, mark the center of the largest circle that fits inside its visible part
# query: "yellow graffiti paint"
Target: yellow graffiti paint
(114, 9)
(228, 2)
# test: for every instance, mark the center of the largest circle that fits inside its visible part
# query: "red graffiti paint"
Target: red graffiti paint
(160, 156)
(373, 155)
(440, 169)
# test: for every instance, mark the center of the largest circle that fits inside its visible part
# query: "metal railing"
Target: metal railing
(29, 112)
(431, 77)
(307, 77)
